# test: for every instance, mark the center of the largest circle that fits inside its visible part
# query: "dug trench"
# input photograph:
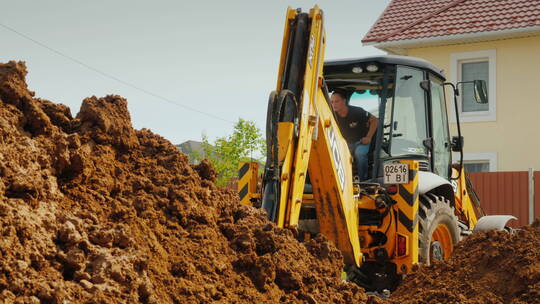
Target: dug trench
(93, 211)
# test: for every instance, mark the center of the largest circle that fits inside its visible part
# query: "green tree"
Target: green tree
(245, 143)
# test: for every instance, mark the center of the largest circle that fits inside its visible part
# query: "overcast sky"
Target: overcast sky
(217, 57)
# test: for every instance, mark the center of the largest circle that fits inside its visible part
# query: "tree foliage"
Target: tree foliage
(245, 143)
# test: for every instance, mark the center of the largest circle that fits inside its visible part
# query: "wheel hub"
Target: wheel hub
(436, 251)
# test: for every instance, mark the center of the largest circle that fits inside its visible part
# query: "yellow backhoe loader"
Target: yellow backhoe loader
(414, 206)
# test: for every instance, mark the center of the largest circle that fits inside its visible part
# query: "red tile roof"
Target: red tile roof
(414, 19)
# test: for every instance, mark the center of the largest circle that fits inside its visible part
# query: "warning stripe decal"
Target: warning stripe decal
(243, 192)
(243, 170)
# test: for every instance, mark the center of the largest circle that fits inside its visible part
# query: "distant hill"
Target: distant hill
(191, 147)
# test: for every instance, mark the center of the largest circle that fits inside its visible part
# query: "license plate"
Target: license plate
(396, 173)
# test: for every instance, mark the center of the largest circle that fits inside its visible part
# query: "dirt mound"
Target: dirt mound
(492, 267)
(93, 211)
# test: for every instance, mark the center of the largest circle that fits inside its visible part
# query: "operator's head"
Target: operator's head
(339, 101)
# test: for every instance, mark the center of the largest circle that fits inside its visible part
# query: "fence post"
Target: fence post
(531, 195)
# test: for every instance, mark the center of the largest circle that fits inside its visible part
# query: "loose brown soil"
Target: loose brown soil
(93, 211)
(494, 267)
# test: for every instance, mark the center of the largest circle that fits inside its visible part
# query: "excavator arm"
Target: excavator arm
(303, 139)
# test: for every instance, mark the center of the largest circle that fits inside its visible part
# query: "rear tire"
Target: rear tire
(438, 229)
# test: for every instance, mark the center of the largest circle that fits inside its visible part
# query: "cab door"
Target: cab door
(441, 137)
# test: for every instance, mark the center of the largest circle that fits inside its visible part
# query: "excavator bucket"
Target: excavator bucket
(492, 222)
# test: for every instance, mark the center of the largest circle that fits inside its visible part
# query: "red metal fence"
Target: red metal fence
(507, 193)
(537, 195)
(499, 193)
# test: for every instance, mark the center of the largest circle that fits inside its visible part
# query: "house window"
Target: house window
(469, 66)
(476, 166)
(476, 70)
(478, 162)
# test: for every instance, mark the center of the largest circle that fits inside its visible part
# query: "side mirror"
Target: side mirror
(480, 91)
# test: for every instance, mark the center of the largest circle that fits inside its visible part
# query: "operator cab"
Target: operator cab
(407, 95)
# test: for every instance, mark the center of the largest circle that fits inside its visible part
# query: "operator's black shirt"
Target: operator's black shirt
(354, 126)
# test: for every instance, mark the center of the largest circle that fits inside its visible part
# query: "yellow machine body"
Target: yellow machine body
(368, 223)
(248, 180)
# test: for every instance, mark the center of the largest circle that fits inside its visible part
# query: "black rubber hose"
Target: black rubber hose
(296, 70)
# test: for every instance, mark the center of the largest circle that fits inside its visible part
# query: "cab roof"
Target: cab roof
(333, 66)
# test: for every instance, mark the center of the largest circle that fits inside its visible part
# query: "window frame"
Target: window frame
(489, 157)
(456, 59)
(476, 162)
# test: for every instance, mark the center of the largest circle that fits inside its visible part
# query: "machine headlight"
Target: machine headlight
(372, 68)
(357, 70)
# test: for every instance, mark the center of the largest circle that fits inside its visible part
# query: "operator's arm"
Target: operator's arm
(372, 122)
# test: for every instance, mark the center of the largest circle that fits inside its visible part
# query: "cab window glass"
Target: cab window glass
(367, 100)
(409, 127)
(441, 137)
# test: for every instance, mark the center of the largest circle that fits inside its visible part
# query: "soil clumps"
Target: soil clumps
(494, 267)
(93, 211)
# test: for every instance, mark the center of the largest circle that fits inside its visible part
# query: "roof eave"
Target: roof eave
(400, 46)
